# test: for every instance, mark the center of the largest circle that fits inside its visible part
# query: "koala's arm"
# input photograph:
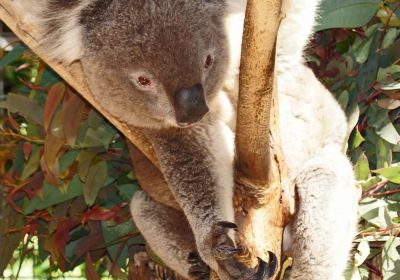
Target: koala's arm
(197, 163)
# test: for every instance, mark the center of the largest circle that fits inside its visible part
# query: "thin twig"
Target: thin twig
(374, 188)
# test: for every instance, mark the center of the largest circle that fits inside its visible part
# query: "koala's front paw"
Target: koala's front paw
(223, 247)
(198, 270)
(224, 252)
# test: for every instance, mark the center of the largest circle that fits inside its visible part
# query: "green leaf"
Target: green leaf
(343, 99)
(391, 259)
(112, 234)
(378, 118)
(85, 159)
(95, 119)
(390, 37)
(346, 13)
(93, 138)
(33, 163)
(95, 179)
(391, 86)
(354, 272)
(362, 53)
(383, 73)
(378, 216)
(29, 108)
(370, 182)
(389, 133)
(15, 53)
(362, 253)
(361, 169)
(127, 190)
(391, 173)
(367, 75)
(53, 196)
(108, 136)
(357, 139)
(67, 160)
(383, 153)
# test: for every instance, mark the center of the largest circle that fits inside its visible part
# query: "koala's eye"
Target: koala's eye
(143, 81)
(209, 62)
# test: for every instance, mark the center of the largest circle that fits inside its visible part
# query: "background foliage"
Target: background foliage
(66, 177)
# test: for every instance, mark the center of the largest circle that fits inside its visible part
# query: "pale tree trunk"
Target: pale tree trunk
(263, 196)
(261, 175)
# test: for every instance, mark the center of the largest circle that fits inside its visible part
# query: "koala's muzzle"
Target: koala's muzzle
(190, 105)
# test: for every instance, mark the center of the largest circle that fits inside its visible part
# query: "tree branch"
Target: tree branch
(263, 193)
(72, 74)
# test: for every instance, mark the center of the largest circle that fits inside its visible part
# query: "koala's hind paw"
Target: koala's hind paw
(198, 269)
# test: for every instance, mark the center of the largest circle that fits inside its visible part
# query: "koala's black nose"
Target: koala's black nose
(190, 105)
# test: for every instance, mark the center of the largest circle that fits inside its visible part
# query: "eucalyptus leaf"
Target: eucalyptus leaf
(391, 259)
(25, 106)
(361, 169)
(95, 179)
(53, 196)
(346, 13)
(362, 253)
(13, 55)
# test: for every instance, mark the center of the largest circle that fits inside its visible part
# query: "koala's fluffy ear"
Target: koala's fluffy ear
(60, 30)
(65, 44)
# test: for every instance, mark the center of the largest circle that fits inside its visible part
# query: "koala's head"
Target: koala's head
(155, 63)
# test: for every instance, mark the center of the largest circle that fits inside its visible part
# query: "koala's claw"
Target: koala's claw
(225, 224)
(272, 265)
(224, 251)
(266, 270)
(198, 269)
(223, 246)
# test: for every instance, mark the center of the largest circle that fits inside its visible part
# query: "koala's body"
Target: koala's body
(160, 65)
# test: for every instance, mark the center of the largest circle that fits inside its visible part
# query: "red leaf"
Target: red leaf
(14, 124)
(90, 242)
(61, 238)
(37, 183)
(54, 97)
(320, 51)
(98, 214)
(27, 149)
(71, 115)
(49, 162)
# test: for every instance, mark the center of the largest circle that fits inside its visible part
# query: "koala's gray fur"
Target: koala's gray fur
(169, 41)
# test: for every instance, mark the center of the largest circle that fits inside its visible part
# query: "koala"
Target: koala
(169, 68)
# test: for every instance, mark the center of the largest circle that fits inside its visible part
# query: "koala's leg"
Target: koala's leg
(197, 164)
(326, 219)
(168, 233)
